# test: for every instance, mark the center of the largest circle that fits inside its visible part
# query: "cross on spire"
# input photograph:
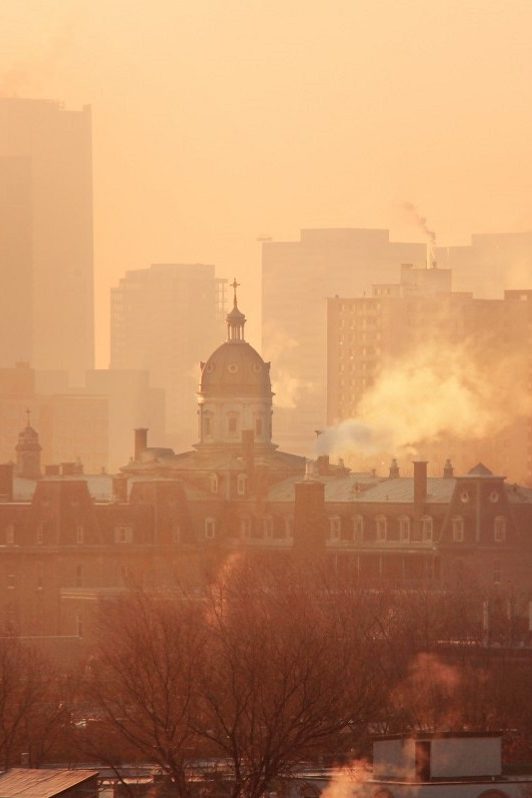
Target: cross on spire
(234, 286)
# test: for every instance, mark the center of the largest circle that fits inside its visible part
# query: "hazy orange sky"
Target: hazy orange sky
(216, 121)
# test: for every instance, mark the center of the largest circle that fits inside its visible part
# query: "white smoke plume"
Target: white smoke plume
(282, 350)
(435, 392)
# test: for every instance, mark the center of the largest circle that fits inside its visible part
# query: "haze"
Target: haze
(217, 122)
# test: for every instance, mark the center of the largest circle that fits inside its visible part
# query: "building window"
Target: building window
(427, 529)
(11, 581)
(210, 528)
(381, 527)
(79, 576)
(267, 527)
(289, 527)
(245, 528)
(176, 533)
(80, 534)
(207, 427)
(404, 528)
(458, 529)
(241, 484)
(232, 426)
(40, 535)
(358, 529)
(497, 571)
(10, 535)
(335, 527)
(123, 534)
(258, 426)
(213, 481)
(499, 529)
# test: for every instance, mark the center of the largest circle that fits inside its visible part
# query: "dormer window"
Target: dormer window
(458, 529)
(335, 527)
(358, 529)
(381, 528)
(427, 529)
(499, 529)
(404, 528)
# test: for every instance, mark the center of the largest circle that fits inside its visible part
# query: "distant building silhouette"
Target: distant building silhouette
(46, 302)
(163, 319)
(299, 276)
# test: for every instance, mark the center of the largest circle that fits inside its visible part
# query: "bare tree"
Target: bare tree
(141, 686)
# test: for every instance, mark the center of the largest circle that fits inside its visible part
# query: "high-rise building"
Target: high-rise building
(46, 301)
(163, 320)
(419, 321)
(298, 276)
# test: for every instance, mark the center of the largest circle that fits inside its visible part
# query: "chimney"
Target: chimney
(309, 516)
(394, 469)
(141, 442)
(120, 488)
(6, 482)
(322, 464)
(248, 450)
(52, 470)
(420, 483)
(448, 470)
(69, 469)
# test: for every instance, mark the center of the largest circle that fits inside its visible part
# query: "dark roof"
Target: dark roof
(480, 470)
(42, 782)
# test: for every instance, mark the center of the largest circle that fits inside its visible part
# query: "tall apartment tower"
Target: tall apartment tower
(368, 335)
(163, 320)
(46, 301)
(297, 278)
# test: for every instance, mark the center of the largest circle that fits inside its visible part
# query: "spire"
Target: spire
(235, 319)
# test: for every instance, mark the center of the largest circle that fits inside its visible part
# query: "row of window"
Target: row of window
(427, 528)
(231, 425)
(241, 484)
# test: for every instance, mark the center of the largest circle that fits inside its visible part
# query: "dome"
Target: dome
(236, 369)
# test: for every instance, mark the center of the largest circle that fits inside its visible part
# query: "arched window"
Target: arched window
(404, 528)
(210, 528)
(241, 484)
(381, 527)
(213, 482)
(427, 529)
(358, 528)
(335, 527)
(458, 529)
(499, 529)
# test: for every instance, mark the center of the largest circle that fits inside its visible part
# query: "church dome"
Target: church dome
(235, 369)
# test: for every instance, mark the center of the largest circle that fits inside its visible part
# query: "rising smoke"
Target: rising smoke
(435, 392)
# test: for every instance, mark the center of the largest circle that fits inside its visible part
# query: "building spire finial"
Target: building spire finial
(234, 286)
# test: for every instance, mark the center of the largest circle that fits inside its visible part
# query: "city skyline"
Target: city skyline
(410, 119)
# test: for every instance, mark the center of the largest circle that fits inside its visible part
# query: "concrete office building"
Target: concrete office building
(163, 320)
(46, 236)
(298, 276)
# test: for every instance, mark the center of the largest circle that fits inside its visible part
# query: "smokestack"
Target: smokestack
(448, 470)
(394, 469)
(420, 483)
(248, 450)
(141, 442)
(309, 516)
(6, 482)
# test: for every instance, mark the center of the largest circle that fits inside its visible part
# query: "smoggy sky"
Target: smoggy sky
(217, 121)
